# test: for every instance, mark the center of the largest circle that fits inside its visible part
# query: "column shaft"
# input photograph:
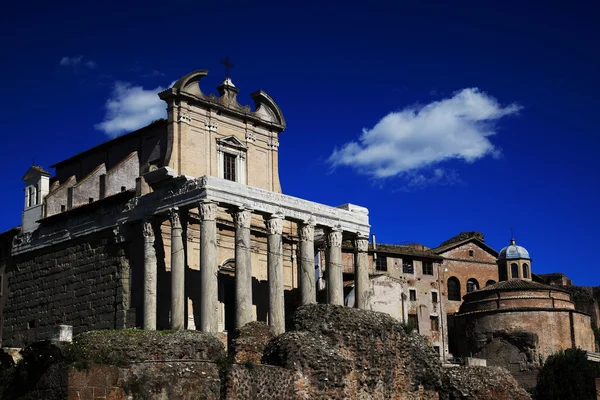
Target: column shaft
(243, 268)
(308, 291)
(361, 272)
(275, 274)
(150, 277)
(177, 272)
(209, 285)
(335, 282)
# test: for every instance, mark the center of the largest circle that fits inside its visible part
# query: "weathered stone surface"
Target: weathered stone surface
(124, 347)
(481, 383)
(345, 353)
(259, 382)
(249, 342)
(80, 284)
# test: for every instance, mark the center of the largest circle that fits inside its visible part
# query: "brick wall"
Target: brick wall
(80, 284)
(461, 265)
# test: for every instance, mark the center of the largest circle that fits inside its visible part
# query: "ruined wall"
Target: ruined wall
(460, 264)
(83, 283)
(488, 335)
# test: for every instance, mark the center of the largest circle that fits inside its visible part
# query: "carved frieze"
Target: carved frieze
(119, 233)
(131, 204)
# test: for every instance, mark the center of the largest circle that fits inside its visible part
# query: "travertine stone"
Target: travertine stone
(335, 282)
(150, 277)
(209, 302)
(243, 268)
(275, 273)
(307, 262)
(177, 272)
(361, 271)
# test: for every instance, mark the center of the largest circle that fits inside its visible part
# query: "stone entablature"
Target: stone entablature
(173, 198)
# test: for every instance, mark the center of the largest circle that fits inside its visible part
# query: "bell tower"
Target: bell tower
(37, 186)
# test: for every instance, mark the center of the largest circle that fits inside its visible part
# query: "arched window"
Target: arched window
(37, 195)
(514, 270)
(490, 282)
(453, 289)
(472, 285)
(525, 271)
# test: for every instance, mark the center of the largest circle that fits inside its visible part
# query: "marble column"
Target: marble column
(335, 282)
(177, 272)
(308, 291)
(243, 268)
(150, 277)
(275, 273)
(209, 285)
(361, 272)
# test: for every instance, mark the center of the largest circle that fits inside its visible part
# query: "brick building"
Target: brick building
(407, 283)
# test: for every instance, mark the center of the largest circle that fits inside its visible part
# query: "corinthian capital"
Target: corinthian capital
(242, 218)
(361, 244)
(208, 211)
(334, 238)
(275, 224)
(147, 230)
(307, 230)
(174, 217)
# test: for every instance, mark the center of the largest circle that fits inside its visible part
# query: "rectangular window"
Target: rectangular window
(412, 295)
(229, 167)
(102, 193)
(427, 268)
(434, 297)
(407, 266)
(435, 324)
(381, 263)
(413, 320)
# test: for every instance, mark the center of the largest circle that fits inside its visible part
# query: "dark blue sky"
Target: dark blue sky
(335, 69)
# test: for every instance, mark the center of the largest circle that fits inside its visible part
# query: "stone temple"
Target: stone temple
(181, 224)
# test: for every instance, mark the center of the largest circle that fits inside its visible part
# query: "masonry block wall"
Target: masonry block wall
(83, 283)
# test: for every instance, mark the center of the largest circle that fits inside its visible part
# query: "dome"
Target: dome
(513, 252)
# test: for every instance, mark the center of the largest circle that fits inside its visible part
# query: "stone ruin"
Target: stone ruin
(331, 352)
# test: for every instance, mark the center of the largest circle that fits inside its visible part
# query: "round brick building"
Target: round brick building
(517, 323)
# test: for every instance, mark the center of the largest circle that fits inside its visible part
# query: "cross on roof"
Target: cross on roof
(227, 65)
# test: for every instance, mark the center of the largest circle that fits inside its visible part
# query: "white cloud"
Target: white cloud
(75, 61)
(131, 107)
(418, 137)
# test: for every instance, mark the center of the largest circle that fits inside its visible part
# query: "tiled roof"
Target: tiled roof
(407, 250)
(518, 284)
(461, 238)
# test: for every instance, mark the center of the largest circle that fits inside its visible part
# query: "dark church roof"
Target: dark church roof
(462, 238)
(518, 284)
